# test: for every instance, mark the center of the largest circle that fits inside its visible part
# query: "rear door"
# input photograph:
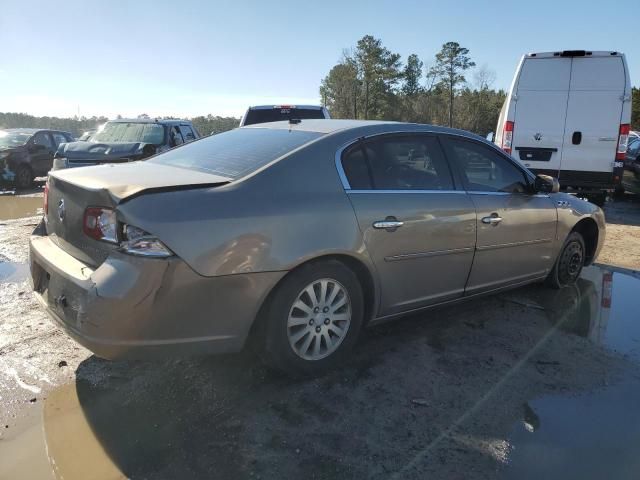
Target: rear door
(419, 230)
(593, 116)
(540, 112)
(42, 150)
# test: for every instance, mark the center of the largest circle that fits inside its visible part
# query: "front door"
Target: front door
(419, 231)
(516, 228)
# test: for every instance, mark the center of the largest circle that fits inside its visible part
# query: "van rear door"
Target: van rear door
(593, 120)
(540, 111)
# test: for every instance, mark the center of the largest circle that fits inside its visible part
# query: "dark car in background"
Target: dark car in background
(124, 140)
(276, 113)
(631, 177)
(26, 153)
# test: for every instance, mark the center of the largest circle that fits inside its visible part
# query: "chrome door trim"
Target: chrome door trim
(387, 224)
(435, 253)
(514, 244)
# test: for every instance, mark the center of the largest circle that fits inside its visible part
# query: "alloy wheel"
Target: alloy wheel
(319, 319)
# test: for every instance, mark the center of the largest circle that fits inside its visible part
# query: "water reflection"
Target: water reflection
(592, 435)
(12, 207)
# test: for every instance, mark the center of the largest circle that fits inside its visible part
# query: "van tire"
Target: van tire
(598, 199)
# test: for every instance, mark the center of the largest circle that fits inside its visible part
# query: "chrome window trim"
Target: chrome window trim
(405, 191)
(347, 186)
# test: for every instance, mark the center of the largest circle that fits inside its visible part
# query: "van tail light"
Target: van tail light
(45, 207)
(100, 223)
(623, 140)
(507, 136)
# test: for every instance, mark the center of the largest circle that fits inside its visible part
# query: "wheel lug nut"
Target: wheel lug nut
(316, 310)
(325, 309)
(311, 322)
(326, 321)
(317, 329)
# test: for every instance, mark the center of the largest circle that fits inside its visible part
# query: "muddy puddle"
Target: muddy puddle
(82, 427)
(592, 435)
(13, 272)
(12, 207)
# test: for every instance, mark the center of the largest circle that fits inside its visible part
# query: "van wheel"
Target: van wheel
(23, 178)
(618, 193)
(569, 263)
(598, 199)
(313, 319)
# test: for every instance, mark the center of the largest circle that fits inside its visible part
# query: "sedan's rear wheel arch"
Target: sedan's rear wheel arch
(358, 267)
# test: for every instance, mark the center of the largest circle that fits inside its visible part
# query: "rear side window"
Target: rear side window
(236, 153)
(278, 114)
(484, 170)
(187, 133)
(59, 138)
(411, 162)
(42, 138)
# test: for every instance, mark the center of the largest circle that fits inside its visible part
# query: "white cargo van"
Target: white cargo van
(567, 115)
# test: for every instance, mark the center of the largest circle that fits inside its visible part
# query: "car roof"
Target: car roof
(328, 126)
(286, 105)
(33, 130)
(161, 121)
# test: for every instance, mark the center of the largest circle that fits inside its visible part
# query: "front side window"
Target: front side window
(59, 138)
(130, 132)
(484, 170)
(42, 138)
(398, 162)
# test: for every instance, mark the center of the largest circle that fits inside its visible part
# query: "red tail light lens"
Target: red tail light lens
(623, 140)
(46, 199)
(100, 224)
(507, 136)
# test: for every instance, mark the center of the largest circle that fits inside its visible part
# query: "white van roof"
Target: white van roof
(576, 53)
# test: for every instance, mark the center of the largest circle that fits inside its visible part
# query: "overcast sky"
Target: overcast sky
(191, 58)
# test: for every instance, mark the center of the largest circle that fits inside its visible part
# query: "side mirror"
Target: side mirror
(490, 136)
(546, 184)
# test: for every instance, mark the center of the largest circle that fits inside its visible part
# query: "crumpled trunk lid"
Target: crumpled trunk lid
(90, 152)
(71, 191)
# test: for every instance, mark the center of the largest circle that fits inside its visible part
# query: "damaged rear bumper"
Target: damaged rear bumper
(132, 307)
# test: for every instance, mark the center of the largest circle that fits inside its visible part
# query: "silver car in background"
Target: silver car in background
(296, 235)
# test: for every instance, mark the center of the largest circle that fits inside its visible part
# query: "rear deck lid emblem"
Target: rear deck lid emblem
(537, 137)
(61, 209)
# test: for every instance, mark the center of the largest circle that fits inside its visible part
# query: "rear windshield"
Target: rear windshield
(278, 114)
(236, 153)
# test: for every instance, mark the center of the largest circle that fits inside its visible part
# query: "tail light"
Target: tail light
(46, 199)
(507, 136)
(100, 224)
(138, 242)
(623, 139)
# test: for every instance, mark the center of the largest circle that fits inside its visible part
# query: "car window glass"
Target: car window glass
(187, 133)
(177, 136)
(634, 146)
(412, 162)
(59, 138)
(42, 138)
(485, 170)
(356, 170)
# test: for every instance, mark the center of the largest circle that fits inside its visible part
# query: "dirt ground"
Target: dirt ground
(435, 395)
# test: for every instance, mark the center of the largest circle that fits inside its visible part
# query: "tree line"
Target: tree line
(370, 82)
(78, 125)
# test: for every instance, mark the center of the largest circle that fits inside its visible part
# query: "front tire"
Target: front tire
(313, 319)
(569, 263)
(24, 177)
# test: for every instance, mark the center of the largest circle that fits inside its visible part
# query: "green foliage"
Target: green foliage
(372, 83)
(635, 108)
(214, 124)
(451, 62)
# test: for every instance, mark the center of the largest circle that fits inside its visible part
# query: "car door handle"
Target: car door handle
(389, 224)
(493, 219)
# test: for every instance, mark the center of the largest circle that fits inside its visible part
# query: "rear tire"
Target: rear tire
(24, 177)
(598, 199)
(569, 263)
(313, 319)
